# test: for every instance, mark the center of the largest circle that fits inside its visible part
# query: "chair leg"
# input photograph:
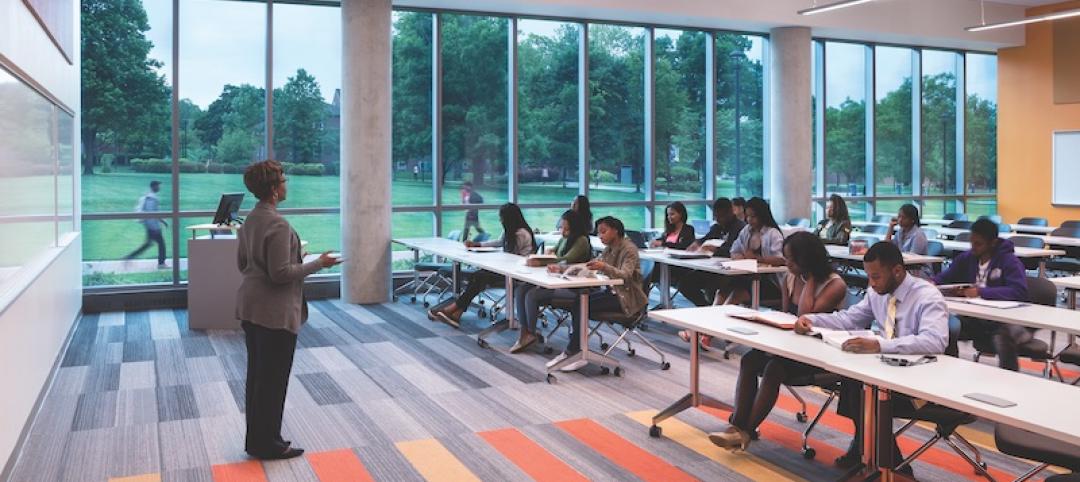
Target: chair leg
(813, 423)
(801, 416)
(919, 451)
(1031, 473)
(977, 463)
(906, 426)
(663, 359)
(618, 340)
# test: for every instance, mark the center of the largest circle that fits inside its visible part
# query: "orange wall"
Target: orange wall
(1027, 117)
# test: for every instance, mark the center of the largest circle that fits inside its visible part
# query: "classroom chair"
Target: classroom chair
(1032, 446)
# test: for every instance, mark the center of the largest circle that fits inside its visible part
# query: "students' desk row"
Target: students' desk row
(1042, 254)
(939, 225)
(664, 262)
(513, 268)
(1042, 406)
(843, 253)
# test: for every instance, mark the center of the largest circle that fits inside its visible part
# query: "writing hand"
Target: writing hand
(862, 345)
(803, 325)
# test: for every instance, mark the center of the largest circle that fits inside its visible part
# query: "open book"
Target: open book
(748, 265)
(576, 271)
(778, 319)
(683, 254)
(838, 337)
(999, 304)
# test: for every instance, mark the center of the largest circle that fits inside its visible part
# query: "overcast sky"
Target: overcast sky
(224, 43)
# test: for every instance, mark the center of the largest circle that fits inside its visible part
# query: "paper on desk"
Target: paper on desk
(838, 337)
(749, 265)
(714, 242)
(999, 304)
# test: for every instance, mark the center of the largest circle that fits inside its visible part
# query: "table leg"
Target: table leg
(415, 274)
(755, 292)
(510, 303)
(456, 277)
(1042, 267)
(583, 333)
(883, 432)
(692, 399)
(665, 285)
(504, 324)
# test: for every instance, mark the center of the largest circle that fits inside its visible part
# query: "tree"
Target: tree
(123, 97)
(939, 133)
(981, 143)
(190, 145)
(298, 114)
(548, 101)
(411, 94)
(893, 136)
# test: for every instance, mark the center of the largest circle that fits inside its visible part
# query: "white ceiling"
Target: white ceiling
(1029, 3)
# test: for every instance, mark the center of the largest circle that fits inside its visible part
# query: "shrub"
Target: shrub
(311, 169)
(684, 174)
(599, 176)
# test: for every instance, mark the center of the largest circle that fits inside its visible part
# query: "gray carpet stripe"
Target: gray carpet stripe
(323, 389)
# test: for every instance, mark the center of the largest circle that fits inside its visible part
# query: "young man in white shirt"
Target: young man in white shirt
(908, 316)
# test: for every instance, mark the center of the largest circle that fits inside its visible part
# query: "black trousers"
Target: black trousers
(700, 287)
(850, 406)
(478, 281)
(270, 359)
(152, 236)
(1004, 338)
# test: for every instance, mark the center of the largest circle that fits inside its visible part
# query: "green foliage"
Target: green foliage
(298, 114)
(306, 169)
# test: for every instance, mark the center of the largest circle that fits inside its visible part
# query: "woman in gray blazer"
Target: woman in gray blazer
(270, 304)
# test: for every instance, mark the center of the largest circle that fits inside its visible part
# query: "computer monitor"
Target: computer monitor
(228, 208)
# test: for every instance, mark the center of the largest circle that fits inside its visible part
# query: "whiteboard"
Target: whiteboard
(1067, 168)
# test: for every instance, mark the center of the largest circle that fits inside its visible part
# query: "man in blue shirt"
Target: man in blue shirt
(149, 203)
(908, 316)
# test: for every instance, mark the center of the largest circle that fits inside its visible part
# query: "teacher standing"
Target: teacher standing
(271, 306)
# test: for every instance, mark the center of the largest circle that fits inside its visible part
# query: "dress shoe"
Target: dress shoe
(526, 340)
(732, 439)
(286, 454)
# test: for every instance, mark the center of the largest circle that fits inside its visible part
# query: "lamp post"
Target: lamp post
(736, 58)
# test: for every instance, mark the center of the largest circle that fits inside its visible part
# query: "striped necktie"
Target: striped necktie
(890, 318)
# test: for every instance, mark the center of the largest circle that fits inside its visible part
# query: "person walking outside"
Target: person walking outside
(149, 203)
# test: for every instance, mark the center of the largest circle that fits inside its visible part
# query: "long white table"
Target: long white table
(1050, 240)
(1071, 285)
(842, 253)
(1027, 228)
(513, 268)
(1042, 406)
(1029, 315)
(551, 239)
(1042, 254)
(709, 265)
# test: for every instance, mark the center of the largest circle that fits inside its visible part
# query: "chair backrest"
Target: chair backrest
(454, 235)
(1071, 224)
(1066, 232)
(1033, 222)
(955, 217)
(1028, 242)
(870, 240)
(1041, 291)
(934, 248)
(799, 222)
(637, 238)
(701, 226)
(964, 236)
(930, 233)
(481, 237)
(993, 217)
(875, 229)
(883, 218)
(960, 224)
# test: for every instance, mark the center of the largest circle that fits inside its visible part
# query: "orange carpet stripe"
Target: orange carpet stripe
(786, 437)
(622, 452)
(944, 459)
(250, 471)
(338, 466)
(530, 457)
(1036, 368)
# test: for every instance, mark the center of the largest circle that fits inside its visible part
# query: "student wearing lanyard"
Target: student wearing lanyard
(995, 272)
(907, 312)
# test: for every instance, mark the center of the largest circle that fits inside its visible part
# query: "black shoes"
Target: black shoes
(287, 454)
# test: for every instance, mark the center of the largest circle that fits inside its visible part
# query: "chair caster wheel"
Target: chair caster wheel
(809, 453)
(413, 300)
(603, 346)
(483, 343)
(727, 356)
(665, 366)
(427, 304)
(618, 371)
(631, 352)
(551, 379)
(481, 312)
(801, 417)
(548, 350)
(604, 370)
(655, 431)
(755, 435)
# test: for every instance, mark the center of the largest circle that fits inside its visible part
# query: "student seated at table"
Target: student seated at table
(910, 238)
(761, 240)
(995, 273)
(909, 316)
(677, 233)
(517, 238)
(580, 205)
(573, 248)
(836, 227)
(698, 286)
(618, 261)
(811, 286)
(739, 205)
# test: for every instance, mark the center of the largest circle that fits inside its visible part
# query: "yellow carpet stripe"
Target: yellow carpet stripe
(138, 478)
(434, 462)
(689, 436)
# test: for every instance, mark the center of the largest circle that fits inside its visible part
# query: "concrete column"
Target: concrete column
(365, 151)
(790, 146)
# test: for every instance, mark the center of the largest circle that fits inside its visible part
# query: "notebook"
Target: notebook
(483, 249)
(838, 337)
(683, 254)
(777, 319)
(999, 304)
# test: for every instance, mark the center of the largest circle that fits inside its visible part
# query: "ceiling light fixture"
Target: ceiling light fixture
(832, 6)
(1047, 17)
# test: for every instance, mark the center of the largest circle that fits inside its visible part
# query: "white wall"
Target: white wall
(37, 315)
(936, 23)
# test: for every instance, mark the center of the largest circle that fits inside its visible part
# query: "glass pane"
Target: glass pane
(938, 208)
(27, 148)
(487, 222)
(126, 106)
(694, 212)
(858, 210)
(307, 99)
(981, 206)
(409, 225)
(544, 219)
(547, 110)
(474, 57)
(112, 256)
(980, 156)
(223, 106)
(680, 114)
(413, 183)
(633, 218)
(322, 232)
(891, 207)
(616, 113)
(845, 119)
(892, 121)
(814, 75)
(739, 108)
(65, 180)
(939, 122)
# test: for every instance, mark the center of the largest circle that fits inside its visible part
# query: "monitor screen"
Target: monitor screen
(228, 208)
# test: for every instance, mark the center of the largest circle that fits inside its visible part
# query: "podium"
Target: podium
(213, 277)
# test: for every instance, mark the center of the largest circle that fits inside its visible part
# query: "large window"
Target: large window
(980, 144)
(939, 121)
(679, 99)
(845, 119)
(616, 113)
(412, 169)
(740, 108)
(892, 121)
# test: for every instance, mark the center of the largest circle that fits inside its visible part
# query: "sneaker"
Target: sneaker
(162, 266)
(573, 367)
(558, 358)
